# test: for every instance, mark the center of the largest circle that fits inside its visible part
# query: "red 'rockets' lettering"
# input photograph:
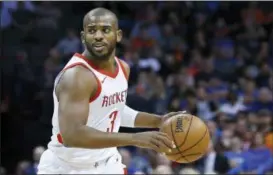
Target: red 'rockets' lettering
(115, 98)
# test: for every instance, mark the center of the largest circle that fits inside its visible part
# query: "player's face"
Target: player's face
(100, 36)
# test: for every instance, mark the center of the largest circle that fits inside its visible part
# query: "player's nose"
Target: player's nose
(98, 36)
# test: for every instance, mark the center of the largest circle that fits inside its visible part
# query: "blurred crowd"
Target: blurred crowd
(213, 59)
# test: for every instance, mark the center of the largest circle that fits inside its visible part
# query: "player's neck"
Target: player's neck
(106, 64)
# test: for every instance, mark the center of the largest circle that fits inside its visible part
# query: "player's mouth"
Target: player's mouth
(99, 46)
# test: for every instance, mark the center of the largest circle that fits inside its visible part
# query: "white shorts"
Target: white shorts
(50, 164)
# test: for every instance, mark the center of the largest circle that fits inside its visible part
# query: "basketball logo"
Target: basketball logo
(179, 125)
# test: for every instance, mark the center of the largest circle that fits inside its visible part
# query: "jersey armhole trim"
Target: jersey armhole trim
(98, 90)
(123, 69)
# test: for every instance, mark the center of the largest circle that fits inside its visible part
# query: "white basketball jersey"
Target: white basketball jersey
(104, 112)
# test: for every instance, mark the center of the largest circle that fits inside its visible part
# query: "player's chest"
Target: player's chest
(113, 94)
(112, 97)
(105, 113)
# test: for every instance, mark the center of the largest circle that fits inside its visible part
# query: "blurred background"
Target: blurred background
(213, 59)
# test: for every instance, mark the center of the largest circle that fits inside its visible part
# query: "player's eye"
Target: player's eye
(106, 30)
(92, 31)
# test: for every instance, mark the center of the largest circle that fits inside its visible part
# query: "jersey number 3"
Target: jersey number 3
(113, 117)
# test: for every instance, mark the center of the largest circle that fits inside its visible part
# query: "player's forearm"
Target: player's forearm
(146, 120)
(86, 137)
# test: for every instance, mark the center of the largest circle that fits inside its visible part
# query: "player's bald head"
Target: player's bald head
(100, 33)
(98, 13)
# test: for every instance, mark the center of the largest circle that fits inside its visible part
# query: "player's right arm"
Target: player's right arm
(73, 92)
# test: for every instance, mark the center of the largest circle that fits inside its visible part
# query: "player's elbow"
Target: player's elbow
(76, 137)
(69, 137)
(67, 140)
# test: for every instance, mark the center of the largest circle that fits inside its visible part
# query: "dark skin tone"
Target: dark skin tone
(100, 36)
(101, 29)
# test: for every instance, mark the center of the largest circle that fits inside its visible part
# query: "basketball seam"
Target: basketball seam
(184, 141)
(182, 156)
(196, 142)
(176, 144)
(193, 144)
(177, 147)
(192, 154)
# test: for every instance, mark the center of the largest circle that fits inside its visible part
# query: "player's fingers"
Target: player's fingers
(154, 145)
(168, 137)
(166, 141)
(163, 134)
(183, 112)
(171, 114)
(160, 142)
(161, 147)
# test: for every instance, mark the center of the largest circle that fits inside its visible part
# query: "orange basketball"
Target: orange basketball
(190, 135)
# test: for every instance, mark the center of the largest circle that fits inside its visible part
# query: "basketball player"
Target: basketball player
(90, 106)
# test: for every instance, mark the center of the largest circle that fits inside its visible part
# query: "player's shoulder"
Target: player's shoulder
(123, 63)
(126, 67)
(77, 77)
(79, 72)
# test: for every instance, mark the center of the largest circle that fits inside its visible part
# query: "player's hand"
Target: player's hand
(169, 115)
(157, 141)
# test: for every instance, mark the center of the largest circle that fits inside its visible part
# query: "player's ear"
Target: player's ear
(82, 37)
(119, 35)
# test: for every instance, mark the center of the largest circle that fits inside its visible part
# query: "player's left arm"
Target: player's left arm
(132, 118)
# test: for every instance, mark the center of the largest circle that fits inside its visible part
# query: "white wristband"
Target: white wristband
(128, 117)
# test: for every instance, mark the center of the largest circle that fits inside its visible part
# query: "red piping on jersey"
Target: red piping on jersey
(94, 97)
(110, 74)
(97, 94)
(123, 70)
(59, 138)
(125, 171)
(98, 91)
(75, 64)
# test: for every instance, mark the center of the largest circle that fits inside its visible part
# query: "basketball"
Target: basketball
(190, 135)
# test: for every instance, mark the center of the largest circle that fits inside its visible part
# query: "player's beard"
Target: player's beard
(101, 56)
